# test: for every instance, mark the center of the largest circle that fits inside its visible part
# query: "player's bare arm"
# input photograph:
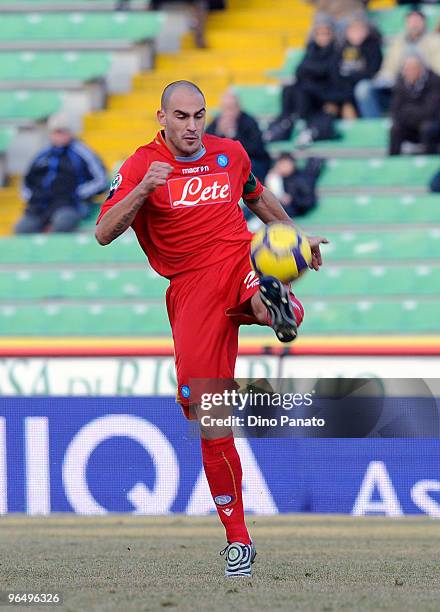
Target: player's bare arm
(121, 215)
(269, 210)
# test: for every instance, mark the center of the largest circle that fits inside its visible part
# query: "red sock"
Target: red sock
(223, 471)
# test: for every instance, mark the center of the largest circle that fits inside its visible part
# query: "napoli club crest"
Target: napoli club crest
(222, 160)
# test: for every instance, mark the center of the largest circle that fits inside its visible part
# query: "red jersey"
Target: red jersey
(195, 219)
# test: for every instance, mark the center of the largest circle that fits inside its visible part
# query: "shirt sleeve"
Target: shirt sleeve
(122, 184)
(252, 188)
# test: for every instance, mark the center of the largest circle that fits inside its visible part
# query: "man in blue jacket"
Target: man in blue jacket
(60, 182)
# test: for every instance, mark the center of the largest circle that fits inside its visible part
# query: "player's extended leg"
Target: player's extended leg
(206, 344)
(276, 306)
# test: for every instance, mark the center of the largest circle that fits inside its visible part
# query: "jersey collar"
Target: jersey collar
(160, 139)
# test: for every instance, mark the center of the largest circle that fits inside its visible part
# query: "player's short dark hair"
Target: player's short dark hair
(171, 87)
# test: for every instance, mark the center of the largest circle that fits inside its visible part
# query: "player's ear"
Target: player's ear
(161, 118)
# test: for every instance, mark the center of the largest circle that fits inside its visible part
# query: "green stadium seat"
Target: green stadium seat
(75, 249)
(70, 27)
(365, 316)
(110, 282)
(94, 319)
(53, 5)
(6, 136)
(367, 209)
(114, 283)
(357, 134)
(391, 22)
(293, 58)
(371, 281)
(380, 172)
(44, 66)
(405, 244)
(259, 100)
(337, 316)
(29, 105)
(361, 133)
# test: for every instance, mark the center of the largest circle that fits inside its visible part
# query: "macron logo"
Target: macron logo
(195, 170)
(228, 511)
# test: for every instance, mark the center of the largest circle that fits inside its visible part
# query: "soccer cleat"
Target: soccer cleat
(276, 298)
(239, 559)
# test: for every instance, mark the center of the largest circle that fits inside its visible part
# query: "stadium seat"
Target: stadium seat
(366, 209)
(67, 283)
(6, 136)
(69, 27)
(260, 101)
(24, 6)
(114, 283)
(350, 245)
(332, 317)
(51, 66)
(379, 172)
(280, 20)
(291, 62)
(384, 245)
(84, 320)
(25, 105)
(378, 280)
(365, 316)
(361, 136)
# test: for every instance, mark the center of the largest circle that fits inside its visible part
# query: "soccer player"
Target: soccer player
(180, 193)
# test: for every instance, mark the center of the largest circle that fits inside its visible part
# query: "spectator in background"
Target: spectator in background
(359, 60)
(295, 187)
(316, 94)
(60, 182)
(415, 105)
(315, 76)
(373, 96)
(233, 122)
(341, 12)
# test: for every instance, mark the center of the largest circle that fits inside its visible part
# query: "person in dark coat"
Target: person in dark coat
(60, 182)
(359, 59)
(314, 95)
(233, 122)
(316, 87)
(415, 104)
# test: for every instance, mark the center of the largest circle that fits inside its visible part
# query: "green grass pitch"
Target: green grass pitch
(135, 563)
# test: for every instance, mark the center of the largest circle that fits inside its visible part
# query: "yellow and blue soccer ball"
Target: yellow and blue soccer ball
(279, 250)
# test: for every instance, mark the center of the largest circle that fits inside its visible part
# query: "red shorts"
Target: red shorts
(205, 309)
